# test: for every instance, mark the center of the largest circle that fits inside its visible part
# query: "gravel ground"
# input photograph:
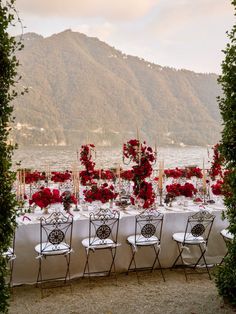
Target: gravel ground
(105, 295)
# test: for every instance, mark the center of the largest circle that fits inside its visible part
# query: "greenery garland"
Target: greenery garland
(8, 79)
(226, 274)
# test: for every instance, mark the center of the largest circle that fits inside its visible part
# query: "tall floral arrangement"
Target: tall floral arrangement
(88, 174)
(143, 157)
(216, 164)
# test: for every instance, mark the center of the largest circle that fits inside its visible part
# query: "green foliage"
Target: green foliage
(8, 80)
(226, 274)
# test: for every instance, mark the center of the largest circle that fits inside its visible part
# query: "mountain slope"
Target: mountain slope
(82, 89)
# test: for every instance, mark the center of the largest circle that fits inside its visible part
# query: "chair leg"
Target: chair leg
(67, 275)
(158, 260)
(203, 256)
(86, 263)
(155, 260)
(132, 259)
(113, 255)
(11, 272)
(39, 276)
(180, 256)
(222, 261)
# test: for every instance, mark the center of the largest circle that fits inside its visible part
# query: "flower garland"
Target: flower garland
(143, 156)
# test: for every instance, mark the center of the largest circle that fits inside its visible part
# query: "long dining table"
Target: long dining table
(175, 219)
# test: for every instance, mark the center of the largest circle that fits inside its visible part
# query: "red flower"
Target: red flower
(45, 197)
(217, 187)
(31, 177)
(61, 176)
(127, 175)
(102, 193)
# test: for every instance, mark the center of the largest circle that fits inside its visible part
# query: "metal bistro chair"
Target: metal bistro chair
(10, 257)
(228, 237)
(196, 233)
(103, 232)
(55, 240)
(148, 231)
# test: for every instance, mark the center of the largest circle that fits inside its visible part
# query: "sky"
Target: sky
(184, 34)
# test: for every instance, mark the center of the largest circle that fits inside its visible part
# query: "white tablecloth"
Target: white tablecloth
(27, 236)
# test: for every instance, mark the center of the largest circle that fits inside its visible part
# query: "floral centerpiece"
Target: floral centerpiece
(32, 177)
(103, 193)
(176, 189)
(45, 197)
(67, 199)
(187, 172)
(143, 156)
(60, 176)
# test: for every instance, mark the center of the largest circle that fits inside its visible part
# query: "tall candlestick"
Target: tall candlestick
(139, 152)
(23, 179)
(155, 148)
(161, 170)
(137, 134)
(204, 177)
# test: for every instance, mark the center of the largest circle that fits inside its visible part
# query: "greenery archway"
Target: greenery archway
(8, 80)
(226, 274)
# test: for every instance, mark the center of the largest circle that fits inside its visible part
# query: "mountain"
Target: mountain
(81, 89)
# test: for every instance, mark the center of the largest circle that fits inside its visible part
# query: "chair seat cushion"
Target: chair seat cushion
(98, 243)
(189, 238)
(226, 234)
(9, 253)
(47, 248)
(141, 240)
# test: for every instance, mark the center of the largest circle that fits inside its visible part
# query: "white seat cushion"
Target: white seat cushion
(49, 249)
(226, 234)
(141, 240)
(9, 253)
(189, 239)
(98, 243)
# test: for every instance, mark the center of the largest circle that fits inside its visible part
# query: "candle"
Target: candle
(78, 187)
(137, 134)
(17, 184)
(161, 170)
(118, 175)
(139, 152)
(204, 177)
(23, 183)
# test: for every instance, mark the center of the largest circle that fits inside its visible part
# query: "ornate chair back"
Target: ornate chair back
(148, 225)
(55, 230)
(103, 227)
(199, 225)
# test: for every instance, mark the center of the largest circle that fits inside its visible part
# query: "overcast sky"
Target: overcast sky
(186, 34)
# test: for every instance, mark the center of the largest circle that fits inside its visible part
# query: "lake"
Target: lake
(62, 158)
